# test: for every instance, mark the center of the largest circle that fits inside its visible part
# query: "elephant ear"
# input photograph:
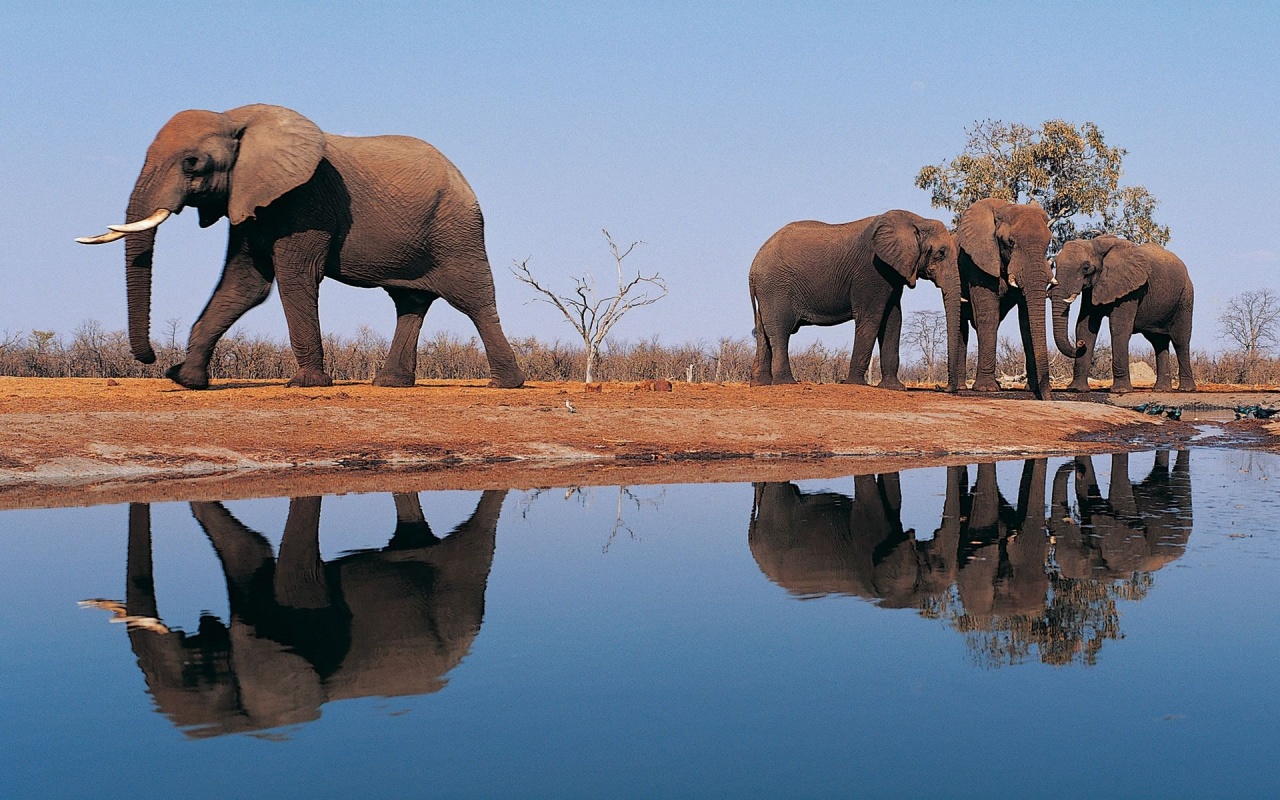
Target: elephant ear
(1125, 269)
(897, 243)
(279, 151)
(976, 235)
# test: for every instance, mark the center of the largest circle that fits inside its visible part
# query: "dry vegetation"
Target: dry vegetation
(92, 352)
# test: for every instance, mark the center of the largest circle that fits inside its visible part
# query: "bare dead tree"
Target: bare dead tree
(927, 332)
(593, 316)
(1252, 320)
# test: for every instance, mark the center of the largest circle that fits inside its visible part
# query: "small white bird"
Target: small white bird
(569, 406)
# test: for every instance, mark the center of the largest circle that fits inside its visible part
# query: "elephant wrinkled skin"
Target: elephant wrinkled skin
(1140, 288)
(1002, 265)
(814, 273)
(369, 211)
(303, 631)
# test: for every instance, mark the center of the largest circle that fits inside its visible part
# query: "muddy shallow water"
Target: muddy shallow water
(1085, 626)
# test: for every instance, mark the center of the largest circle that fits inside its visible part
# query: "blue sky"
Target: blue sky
(699, 128)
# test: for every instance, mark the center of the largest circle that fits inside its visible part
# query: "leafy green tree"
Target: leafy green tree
(1070, 171)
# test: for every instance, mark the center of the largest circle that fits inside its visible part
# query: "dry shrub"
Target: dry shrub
(95, 353)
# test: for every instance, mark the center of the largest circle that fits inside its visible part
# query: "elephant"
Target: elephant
(1138, 528)
(1002, 248)
(385, 211)
(1140, 288)
(829, 543)
(303, 632)
(815, 273)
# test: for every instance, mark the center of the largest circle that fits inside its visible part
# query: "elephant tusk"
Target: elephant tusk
(964, 299)
(143, 224)
(109, 236)
(1053, 281)
(1013, 282)
(1072, 299)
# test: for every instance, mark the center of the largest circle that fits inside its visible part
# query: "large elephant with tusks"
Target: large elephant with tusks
(384, 211)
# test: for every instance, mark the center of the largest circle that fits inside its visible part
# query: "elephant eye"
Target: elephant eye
(189, 164)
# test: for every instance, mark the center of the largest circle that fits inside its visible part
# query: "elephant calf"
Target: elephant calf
(814, 273)
(386, 211)
(1141, 288)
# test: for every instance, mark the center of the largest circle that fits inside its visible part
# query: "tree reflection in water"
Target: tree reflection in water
(1012, 580)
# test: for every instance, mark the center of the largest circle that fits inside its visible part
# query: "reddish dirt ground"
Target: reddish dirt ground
(82, 441)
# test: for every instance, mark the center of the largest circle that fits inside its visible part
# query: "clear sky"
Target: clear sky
(699, 128)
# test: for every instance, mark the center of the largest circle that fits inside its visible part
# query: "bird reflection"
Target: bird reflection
(1011, 580)
(303, 631)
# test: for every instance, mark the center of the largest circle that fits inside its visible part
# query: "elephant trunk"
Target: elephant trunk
(1038, 359)
(956, 367)
(149, 195)
(1061, 317)
(139, 249)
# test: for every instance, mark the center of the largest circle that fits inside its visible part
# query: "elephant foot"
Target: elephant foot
(894, 385)
(393, 379)
(1186, 386)
(986, 386)
(309, 377)
(512, 380)
(1163, 386)
(1121, 388)
(187, 377)
(1079, 387)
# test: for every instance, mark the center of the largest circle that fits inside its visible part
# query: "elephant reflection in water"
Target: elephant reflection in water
(991, 569)
(830, 543)
(304, 631)
(1138, 528)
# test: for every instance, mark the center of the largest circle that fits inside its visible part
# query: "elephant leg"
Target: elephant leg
(1121, 324)
(412, 531)
(300, 580)
(890, 338)
(864, 340)
(245, 283)
(247, 561)
(1087, 326)
(1164, 372)
(1181, 335)
(776, 327)
(986, 317)
(465, 280)
(401, 366)
(300, 260)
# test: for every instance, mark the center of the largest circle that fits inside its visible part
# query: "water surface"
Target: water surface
(1088, 626)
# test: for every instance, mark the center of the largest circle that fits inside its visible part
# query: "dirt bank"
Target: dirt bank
(75, 441)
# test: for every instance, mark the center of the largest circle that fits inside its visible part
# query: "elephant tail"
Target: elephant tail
(761, 372)
(758, 331)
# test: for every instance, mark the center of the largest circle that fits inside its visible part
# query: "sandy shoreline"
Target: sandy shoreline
(89, 441)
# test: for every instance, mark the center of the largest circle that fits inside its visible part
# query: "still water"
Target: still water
(1070, 627)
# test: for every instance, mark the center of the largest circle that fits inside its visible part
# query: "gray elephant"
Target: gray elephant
(1140, 288)
(386, 211)
(1002, 249)
(304, 632)
(815, 273)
